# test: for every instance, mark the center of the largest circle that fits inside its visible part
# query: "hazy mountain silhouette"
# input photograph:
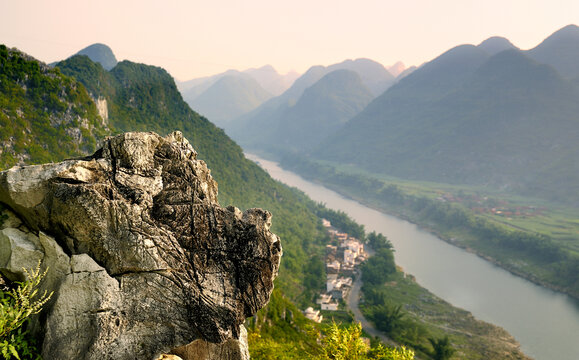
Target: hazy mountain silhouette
(253, 128)
(396, 69)
(495, 45)
(435, 79)
(267, 77)
(223, 100)
(560, 50)
(322, 109)
(229, 97)
(406, 72)
(373, 74)
(190, 89)
(506, 121)
(100, 53)
(271, 80)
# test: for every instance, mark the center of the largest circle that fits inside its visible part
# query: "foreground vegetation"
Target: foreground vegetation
(280, 331)
(17, 304)
(544, 251)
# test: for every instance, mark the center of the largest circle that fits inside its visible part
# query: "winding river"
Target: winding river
(546, 323)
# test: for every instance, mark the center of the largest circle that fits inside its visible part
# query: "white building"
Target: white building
(314, 315)
(324, 299)
(331, 282)
(353, 245)
(333, 267)
(349, 257)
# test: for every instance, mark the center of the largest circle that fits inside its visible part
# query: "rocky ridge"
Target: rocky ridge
(142, 258)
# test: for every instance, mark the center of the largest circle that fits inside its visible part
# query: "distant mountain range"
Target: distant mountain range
(308, 111)
(266, 76)
(396, 69)
(322, 109)
(488, 114)
(225, 98)
(228, 95)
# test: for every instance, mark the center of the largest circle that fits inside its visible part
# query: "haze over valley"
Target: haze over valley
(290, 181)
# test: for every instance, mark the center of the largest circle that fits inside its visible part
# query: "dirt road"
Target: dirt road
(353, 300)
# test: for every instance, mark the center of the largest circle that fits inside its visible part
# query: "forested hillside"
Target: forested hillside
(44, 115)
(43, 110)
(503, 121)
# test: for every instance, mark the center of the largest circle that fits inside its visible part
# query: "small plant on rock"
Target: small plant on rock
(16, 307)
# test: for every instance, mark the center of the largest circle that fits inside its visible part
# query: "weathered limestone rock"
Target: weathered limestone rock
(142, 258)
(18, 250)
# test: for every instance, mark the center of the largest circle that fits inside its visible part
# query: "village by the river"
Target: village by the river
(343, 255)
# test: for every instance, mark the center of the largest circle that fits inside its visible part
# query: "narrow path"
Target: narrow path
(353, 300)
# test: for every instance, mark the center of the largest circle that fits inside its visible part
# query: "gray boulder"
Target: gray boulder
(142, 258)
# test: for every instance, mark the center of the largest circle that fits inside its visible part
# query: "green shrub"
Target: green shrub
(17, 305)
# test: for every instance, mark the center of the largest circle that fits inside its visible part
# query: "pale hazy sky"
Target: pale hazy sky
(197, 38)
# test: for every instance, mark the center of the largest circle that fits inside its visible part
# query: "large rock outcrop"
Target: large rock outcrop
(142, 258)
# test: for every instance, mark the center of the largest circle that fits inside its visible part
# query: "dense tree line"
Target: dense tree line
(340, 220)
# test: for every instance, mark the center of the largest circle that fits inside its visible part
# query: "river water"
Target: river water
(546, 323)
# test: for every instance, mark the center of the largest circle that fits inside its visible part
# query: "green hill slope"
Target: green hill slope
(560, 50)
(505, 121)
(321, 110)
(48, 116)
(44, 115)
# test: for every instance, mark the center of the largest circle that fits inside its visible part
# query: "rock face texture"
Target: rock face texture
(142, 258)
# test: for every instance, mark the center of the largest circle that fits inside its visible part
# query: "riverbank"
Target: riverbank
(424, 316)
(524, 253)
(544, 322)
(423, 311)
(449, 239)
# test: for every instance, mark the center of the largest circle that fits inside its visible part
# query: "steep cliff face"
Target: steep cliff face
(142, 258)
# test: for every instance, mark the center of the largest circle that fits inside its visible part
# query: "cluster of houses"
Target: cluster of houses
(341, 262)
